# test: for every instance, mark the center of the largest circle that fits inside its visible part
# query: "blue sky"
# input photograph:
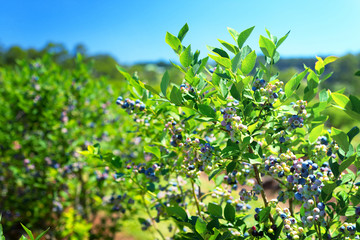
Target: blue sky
(134, 31)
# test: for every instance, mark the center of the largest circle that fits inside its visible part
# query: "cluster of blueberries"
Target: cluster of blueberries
(176, 136)
(296, 120)
(145, 224)
(270, 91)
(130, 105)
(232, 122)
(292, 230)
(149, 172)
(349, 229)
(323, 147)
(101, 176)
(206, 152)
(240, 205)
(118, 202)
(187, 88)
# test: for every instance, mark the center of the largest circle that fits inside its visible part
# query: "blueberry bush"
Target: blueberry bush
(195, 156)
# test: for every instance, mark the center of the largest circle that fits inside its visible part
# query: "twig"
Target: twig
(151, 218)
(196, 198)
(258, 179)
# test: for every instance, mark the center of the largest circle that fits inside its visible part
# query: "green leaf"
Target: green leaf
(154, 150)
(165, 82)
(353, 132)
(229, 213)
(243, 36)
(218, 51)
(200, 225)
(264, 214)
(207, 110)
(229, 46)
(234, 92)
(341, 100)
(183, 32)
(330, 59)
(233, 33)
(281, 40)
(173, 42)
(28, 232)
(334, 166)
(327, 190)
(221, 60)
(319, 65)
(267, 46)
(324, 96)
(215, 210)
(235, 62)
(345, 164)
(315, 133)
(294, 83)
(151, 89)
(202, 64)
(355, 103)
(223, 88)
(42, 234)
(350, 211)
(252, 158)
(214, 173)
(249, 63)
(176, 96)
(357, 73)
(185, 57)
(178, 212)
(341, 138)
(231, 166)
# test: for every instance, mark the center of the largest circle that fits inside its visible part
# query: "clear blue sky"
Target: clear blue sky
(135, 30)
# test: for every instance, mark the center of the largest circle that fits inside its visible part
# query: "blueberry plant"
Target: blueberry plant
(48, 115)
(199, 151)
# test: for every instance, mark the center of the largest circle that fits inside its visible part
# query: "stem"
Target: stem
(196, 199)
(319, 228)
(258, 179)
(291, 206)
(151, 218)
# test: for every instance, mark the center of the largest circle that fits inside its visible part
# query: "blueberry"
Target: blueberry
(142, 107)
(325, 164)
(191, 167)
(305, 165)
(281, 139)
(321, 206)
(302, 181)
(329, 153)
(281, 174)
(290, 178)
(314, 166)
(254, 88)
(283, 216)
(312, 178)
(257, 210)
(298, 196)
